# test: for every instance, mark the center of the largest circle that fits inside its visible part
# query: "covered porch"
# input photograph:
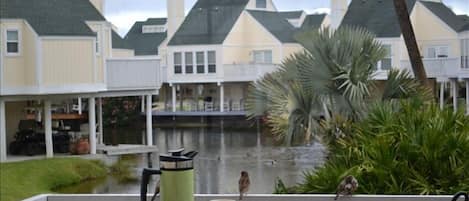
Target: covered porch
(53, 136)
(203, 99)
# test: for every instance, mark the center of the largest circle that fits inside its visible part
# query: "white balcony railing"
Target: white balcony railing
(247, 72)
(133, 74)
(441, 68)
(251, 197)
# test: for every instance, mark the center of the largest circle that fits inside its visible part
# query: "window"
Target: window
(153, 29)
(262, 57)
(212, 62)
(177, 63)
(437, 52)
(13, 42)
(97, 43)
(261, 3)
(465, 53)
(189, 62)
(386, 63)
(200, 56)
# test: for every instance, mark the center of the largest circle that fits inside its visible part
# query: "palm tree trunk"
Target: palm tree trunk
(410, 41)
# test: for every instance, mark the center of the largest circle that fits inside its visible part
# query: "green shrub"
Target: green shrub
(407, 148)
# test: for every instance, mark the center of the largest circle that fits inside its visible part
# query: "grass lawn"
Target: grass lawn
(25, 179)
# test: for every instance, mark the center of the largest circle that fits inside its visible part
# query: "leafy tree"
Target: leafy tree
(121, 111)
(332, 77)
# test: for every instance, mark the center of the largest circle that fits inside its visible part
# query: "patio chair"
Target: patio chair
(235, 106)
(208, 107)
(226, 106)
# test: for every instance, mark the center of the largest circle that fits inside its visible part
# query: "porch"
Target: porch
(452, 74)
(203, 99)
(122, 78)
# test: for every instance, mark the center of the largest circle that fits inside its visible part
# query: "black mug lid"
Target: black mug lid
(168, 158)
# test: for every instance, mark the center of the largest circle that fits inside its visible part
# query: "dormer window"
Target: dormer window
(261, 4)
(153, 29)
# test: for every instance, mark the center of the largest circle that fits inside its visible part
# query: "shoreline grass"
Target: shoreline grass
(20, 180)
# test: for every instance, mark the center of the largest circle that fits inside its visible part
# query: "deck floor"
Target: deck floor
(124, 149)
(197, 114)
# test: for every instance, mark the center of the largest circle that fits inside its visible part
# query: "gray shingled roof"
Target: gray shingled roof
(275, 24)
(148, 43)
(378, 16)
(208, 22)
(291, 14)
(313, 21)
(465, 18)
(457, 23)
(53, 17)
(155, 21)
(118, 42)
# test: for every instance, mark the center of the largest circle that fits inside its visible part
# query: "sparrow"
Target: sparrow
(243, 184)
(157, 191)
(347, 186)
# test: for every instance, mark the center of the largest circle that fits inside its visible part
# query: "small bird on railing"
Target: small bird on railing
(244, 183)
(347, 186)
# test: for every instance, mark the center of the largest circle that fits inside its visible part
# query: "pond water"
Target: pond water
(223, 154)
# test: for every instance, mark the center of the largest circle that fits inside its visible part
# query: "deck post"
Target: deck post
(173, 88)
(3, 133)
(467, 96)
(149, 121)
(100, 121)
(454, 87)
(142, 104)
(48, 129)
(442, 95)
(222, 98)
(92, 124)
(80, 106)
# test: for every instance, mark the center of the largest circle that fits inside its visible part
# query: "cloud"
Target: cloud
(124, 20)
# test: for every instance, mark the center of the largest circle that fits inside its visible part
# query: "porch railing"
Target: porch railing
(441, 68)
(134, 74)
(247, 72)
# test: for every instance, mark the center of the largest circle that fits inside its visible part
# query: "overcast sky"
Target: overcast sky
(124, 13)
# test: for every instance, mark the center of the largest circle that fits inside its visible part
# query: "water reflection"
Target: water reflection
(223, 154)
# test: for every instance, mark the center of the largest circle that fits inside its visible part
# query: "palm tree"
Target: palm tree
(292, 109)
(410, 41)
(334, 75)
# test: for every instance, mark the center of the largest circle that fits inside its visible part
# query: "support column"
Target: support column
(454, 88)
(3, 132)
(467, 96)
(442, 95)
(222, 98)
(48, 129)
(92, 123)
(149, 121)
(173, 88)
(100, 121)
(142, 104)
(80, 106)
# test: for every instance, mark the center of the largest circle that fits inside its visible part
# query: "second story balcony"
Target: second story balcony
(134, 74)
(442, 68)
(247, 72)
